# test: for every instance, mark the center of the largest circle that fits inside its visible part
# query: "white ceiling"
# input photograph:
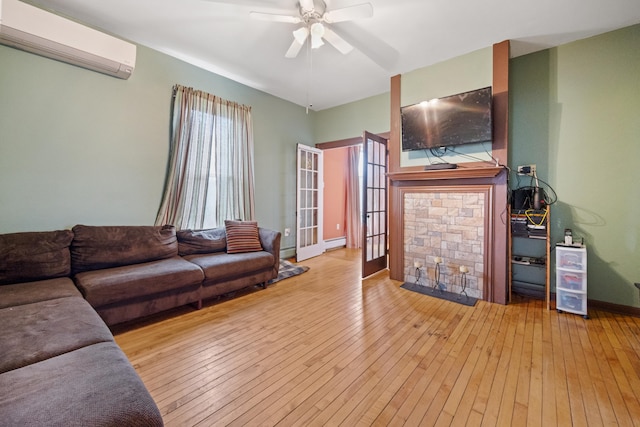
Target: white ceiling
(402, 35)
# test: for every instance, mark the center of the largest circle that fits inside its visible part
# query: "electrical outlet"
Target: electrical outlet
(337, 226)
(287, 232)
(529, 170)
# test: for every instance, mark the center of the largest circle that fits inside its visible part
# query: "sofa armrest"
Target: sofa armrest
(270, 241)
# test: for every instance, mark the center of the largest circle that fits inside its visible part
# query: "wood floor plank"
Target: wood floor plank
(326, 366)
(534, 412)
(489, 395)
(408, 391)
(326, 394)
(328, 348)
(617, 374)
(431, 373)
(369, 409)
(559, 380)
(522, 396)
(548, 391)
(510, 385)
(461, 400)
(594, 367)
(451, 368)
(246, 417)
(572, 373)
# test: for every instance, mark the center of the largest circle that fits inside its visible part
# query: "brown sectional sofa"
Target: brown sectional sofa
(59, 363)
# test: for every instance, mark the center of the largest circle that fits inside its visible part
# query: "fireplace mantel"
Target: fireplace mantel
(459, 173)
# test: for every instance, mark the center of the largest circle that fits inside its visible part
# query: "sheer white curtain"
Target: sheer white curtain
(353, 223)
(210, 173)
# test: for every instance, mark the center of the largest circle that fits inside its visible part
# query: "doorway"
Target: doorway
(339, 209)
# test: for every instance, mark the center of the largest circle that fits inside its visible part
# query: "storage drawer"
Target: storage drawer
(571, 280)
(571, 301)
(570, 258)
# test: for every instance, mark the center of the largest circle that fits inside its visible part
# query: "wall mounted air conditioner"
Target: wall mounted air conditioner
(29, 28)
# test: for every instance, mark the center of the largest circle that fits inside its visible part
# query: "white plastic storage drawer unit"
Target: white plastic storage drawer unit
(571, 279)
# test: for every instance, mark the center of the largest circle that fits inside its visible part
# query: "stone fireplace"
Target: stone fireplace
(460, 216)
(450, 225)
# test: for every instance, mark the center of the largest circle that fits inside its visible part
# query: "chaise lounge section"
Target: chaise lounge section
(59, 364)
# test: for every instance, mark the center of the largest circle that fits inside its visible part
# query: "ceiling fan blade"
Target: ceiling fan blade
(337, 41)
(376, 49)
(307, 4)
(364, 10)
(272, 17)
(294, 49)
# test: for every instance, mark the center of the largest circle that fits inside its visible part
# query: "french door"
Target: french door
(374, 204)
(309, 205)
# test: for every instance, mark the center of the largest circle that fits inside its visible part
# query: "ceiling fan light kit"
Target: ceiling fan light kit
(301, 34)
(317, 31)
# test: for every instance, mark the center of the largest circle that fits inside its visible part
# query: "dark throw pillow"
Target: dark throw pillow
(242, 236)
(201, 241)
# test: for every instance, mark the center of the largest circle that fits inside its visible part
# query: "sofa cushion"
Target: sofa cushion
(91, 386)
(222, 266)
(107, 286)
(41, 290)
(98, 247)
(34, 332)
(30, 256)
(201, 241)
(242, 236)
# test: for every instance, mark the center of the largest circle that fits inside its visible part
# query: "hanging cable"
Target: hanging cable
(309, 73)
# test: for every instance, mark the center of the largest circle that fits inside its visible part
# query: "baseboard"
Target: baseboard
(335, 243)
(287, 253)
(614, 308)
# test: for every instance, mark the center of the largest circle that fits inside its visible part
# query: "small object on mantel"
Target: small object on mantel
(441, 166)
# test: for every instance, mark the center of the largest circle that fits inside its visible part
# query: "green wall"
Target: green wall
(351, 120)
(80, 147)
(575, 113)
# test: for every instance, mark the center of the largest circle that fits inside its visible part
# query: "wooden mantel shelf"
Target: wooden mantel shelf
(460, 173)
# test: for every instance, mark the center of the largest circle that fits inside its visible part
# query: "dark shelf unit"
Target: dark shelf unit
(529, 252)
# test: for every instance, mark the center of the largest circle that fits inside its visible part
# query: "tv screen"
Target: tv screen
(464, 118)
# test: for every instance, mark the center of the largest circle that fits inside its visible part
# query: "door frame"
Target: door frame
(358, 140)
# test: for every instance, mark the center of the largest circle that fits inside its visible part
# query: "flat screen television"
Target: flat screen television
(464, 118)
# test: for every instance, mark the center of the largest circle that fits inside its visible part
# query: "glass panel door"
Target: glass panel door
(374, 246)
(309, 240)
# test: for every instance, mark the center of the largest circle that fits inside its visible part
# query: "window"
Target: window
(210, 174)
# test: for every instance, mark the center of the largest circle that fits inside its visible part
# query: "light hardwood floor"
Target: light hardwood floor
(326, 348)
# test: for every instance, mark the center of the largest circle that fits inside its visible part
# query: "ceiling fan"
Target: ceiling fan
(315, 19)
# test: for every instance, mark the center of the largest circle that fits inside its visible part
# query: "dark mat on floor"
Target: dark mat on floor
(288, 269)
(436, 293)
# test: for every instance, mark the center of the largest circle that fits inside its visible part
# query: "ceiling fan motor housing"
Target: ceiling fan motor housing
(315, 14)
